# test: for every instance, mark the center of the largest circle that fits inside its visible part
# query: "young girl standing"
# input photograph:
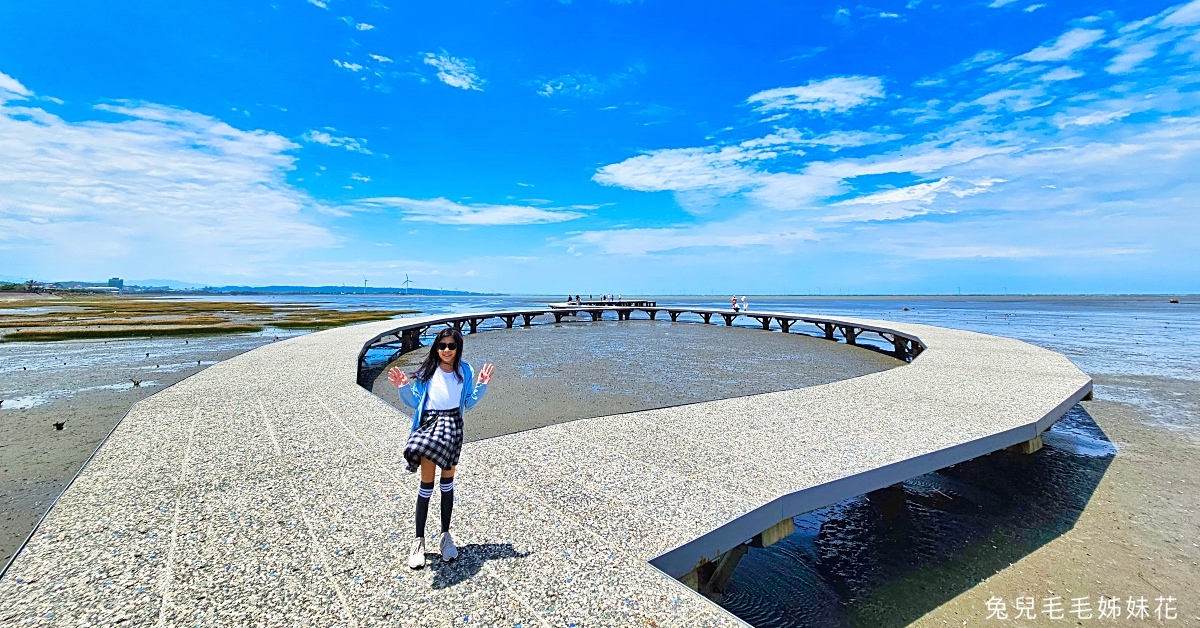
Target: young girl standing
(441, 390)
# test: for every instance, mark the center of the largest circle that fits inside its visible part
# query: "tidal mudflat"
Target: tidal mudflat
(554, 373)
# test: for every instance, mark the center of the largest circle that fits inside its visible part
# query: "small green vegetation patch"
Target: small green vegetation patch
(46, 335)
(74, 318)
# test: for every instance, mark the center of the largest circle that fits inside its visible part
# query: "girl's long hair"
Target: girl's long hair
(430, 365)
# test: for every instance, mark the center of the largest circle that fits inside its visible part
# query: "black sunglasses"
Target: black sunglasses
(447, 346)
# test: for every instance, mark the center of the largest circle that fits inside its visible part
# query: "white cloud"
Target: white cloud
(679, 169)
(447, 212)
(996, 4)
(380, 58)
(360, 177)
(742, 232)
(12, 86)
(836, 94)
(454, 72)
(346, 65)
(923, 193)
(1064, 46)
(1062, 73)
(1186, 15)
(363, 26)
(1093, 118)
(349, 143)
(319, 3)
(1034, 7)
(158, 187)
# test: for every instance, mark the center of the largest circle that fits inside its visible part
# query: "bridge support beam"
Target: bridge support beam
(765, 321)
(474, 324)
(410, 339)
(558, 316)
(596, 314)
(828, 329)
(900, 347)
(728, 319)
(785, 324)
(508, 320)
(707, 316)
(674, 315)
(712, 578)
(888, 503)
(851, 334)
(1030, 446)
(528, 318)
(651, 313)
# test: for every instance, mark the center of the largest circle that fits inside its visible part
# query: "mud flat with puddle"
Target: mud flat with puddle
(555, 373)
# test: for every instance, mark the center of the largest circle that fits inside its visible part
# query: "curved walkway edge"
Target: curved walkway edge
(269, 489)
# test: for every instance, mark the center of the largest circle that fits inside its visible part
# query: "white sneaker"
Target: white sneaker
(416, 558)
(449, 552)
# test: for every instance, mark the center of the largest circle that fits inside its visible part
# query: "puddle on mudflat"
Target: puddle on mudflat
(843, 565)
(34, 400)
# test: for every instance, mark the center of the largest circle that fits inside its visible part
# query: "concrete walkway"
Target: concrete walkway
(269, 490)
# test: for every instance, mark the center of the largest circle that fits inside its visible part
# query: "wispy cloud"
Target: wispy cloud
(583, 84)
(447, 212)
(346, 65)
(186, 190)
(12, 87)
(380, 58)
(454, 71)
(319, 3)
(355, 144)
(1064, 46)
(836, 94)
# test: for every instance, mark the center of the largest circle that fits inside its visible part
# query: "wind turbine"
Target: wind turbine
(364, 284)
(406, 283)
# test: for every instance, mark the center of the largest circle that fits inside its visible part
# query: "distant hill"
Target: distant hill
(164, 283)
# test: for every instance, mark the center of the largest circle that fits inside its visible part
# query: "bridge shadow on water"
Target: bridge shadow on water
(846, 565)
(470, 560)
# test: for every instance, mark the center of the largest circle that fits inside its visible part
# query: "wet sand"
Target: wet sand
(556, 373)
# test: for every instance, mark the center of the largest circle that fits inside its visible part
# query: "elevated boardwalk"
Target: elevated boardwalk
(269, 489)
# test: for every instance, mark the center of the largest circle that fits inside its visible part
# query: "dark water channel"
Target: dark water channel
(846, 564)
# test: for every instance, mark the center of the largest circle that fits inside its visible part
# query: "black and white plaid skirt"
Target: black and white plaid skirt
(439, 438)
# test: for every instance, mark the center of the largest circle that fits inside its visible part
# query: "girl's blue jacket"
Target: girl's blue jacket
(414, 397)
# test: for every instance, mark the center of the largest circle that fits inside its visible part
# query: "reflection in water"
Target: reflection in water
(844, 566)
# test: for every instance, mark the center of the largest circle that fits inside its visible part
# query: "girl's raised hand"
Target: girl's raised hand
(398, 377)
(485, 374)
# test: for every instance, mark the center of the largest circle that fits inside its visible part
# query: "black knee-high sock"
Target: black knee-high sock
(423, 496)
(447, 486)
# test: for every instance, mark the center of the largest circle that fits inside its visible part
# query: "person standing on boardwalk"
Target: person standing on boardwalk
(733, 303)
(441, 390)
(745, 304)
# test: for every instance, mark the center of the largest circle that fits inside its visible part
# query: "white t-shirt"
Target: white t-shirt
(445, 391)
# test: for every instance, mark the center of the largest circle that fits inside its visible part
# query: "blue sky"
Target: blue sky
(592, 146)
